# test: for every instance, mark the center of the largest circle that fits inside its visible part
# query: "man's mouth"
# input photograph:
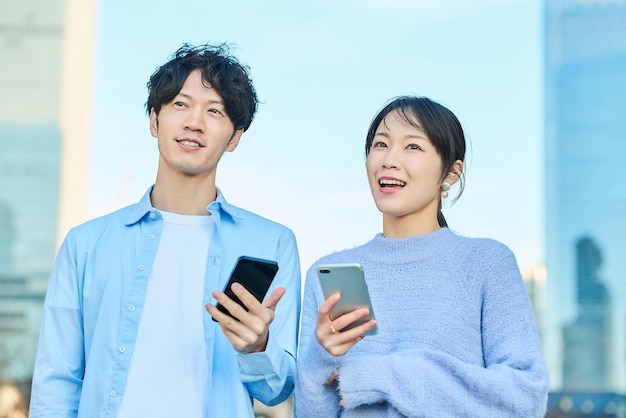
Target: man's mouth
(188, 143)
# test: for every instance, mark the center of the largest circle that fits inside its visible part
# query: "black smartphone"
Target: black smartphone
(349, 281)
(255, 274)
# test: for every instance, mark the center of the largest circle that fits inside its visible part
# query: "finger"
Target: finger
(332, 378)
(211, 309)
(339, 343)
(244, 295)
(339, 350)
(328, 304)
(323, 315)
(250, 332)
(343, 321)
(359, 331)
(259, 315)
(220, 317)
(242, 337)
(252, 303)
(230, 305)
(274, 298)
(215, 313)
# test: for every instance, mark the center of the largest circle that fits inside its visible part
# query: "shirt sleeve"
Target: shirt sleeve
(313, 396)
(60, 361)
(512, 382)
(270, 375)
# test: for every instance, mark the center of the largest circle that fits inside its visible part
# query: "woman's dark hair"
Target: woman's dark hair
(219, 69)
(440, 125)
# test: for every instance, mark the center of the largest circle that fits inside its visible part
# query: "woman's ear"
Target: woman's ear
(455, 173)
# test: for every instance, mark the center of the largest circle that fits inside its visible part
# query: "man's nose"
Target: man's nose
(195, 120)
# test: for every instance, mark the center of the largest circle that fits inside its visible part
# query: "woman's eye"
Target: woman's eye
(413, 146)
(379, 144)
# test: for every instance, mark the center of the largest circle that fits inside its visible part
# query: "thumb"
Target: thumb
(274, 298)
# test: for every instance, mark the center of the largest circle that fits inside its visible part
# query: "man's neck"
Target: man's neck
(188, 196)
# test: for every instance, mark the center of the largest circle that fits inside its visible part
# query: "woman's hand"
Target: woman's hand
(329, 332)
(333, 380)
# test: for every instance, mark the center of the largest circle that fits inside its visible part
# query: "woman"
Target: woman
(456, 333)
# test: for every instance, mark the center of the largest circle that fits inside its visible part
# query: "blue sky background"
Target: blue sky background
(322, 70)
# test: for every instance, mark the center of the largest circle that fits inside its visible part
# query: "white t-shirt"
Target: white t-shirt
(168, 372)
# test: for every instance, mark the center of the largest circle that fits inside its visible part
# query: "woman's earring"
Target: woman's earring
(445, 187)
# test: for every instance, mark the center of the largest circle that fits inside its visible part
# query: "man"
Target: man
(130, 327)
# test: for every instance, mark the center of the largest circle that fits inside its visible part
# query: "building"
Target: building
(586, 405)
(590, 332)
(535, 284)
(31, 40)
(45, 78)
(585, 143)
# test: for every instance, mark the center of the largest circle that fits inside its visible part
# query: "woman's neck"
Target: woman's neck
(407, 226)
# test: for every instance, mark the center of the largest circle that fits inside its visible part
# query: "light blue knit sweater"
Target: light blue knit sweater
(456, 335)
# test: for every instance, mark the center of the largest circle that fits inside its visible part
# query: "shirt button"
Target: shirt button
(122, 349)
(151, 236)
(113, 394)
(131, 308)
(152, 215)
(141, 268)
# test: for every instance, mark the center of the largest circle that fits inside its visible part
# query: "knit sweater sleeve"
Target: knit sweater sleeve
(312, 396)
(513, 380)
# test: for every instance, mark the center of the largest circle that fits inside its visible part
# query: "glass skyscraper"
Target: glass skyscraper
(585, 148)
(30, 145)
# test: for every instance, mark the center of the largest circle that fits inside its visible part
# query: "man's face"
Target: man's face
(193, 130)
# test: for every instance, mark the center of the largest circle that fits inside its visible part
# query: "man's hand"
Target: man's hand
(248, 333)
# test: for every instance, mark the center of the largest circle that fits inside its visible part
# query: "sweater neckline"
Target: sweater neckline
(413, 247)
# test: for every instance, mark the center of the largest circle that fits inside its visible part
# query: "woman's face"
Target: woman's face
(404, 173)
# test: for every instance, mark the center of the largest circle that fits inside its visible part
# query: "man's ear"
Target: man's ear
(234, 141)
(455, 173)
(154, 124)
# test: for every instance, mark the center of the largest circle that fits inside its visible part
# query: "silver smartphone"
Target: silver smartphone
(349, 281)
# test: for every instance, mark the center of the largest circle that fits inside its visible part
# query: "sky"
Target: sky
(323, 69)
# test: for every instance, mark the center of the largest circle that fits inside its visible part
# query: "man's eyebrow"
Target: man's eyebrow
(187, 96)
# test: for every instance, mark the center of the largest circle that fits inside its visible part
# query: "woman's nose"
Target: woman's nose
(391, 159)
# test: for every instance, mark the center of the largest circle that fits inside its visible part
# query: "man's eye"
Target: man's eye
(179, 104)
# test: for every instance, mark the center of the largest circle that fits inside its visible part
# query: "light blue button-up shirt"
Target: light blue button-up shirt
(94, 302)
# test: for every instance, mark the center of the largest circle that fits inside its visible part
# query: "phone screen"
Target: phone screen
(254, 274)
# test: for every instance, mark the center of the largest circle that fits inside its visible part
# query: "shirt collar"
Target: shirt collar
(221, 205)
(218, 207)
